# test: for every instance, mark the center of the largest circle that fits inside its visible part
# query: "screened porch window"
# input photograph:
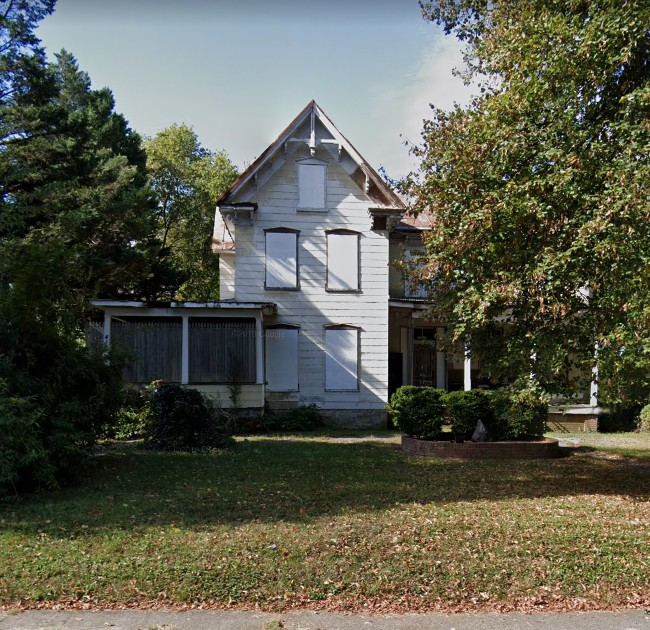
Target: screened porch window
(152, 346)
(221, 350)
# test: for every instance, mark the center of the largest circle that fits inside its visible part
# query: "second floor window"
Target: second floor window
(281, 259)
(343, 261)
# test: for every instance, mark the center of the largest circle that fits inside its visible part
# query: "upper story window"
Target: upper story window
(413, 287)
(281, 259)
(343, 260)
(312, 184)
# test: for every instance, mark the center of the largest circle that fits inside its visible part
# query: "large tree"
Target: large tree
(539, 190)
(77, 221)
(187, 180)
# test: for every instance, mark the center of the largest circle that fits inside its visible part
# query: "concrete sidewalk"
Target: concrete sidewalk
(307, 620)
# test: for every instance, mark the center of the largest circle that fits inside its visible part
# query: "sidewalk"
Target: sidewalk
(307, 620)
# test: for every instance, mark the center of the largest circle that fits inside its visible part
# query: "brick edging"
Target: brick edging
(548, 448)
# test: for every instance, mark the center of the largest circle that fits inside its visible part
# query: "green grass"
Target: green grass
(290, 521)
(630, 445)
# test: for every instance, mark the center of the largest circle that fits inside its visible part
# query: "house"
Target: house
(312, 309)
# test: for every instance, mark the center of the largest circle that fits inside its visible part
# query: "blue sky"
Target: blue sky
(238, 71)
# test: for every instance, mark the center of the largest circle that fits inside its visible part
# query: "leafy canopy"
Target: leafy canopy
(187, 180)
(539, 190)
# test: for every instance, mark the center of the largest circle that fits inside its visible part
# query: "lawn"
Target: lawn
(332, 523)
(630, 445)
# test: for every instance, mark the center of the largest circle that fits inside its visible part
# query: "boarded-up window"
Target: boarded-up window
(281, 259)
(342, 261)
(312, 180)
(341, 358)
(152, 346)
(221, 350)
(282, 358)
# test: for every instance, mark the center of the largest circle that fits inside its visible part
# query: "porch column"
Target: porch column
(185, 351)
(467, 368)
(259, 349)
(107, 328)
(440, 361)
(593, 393)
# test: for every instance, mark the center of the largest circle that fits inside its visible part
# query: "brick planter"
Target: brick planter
(546, 448)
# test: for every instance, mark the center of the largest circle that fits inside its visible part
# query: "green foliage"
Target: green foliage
(418, 411)
(76, 222)
(643, 423)
(187, 180)
(183, 419)
(465, 409)
(538, 191)
(519, 411)
(133, 418)
(302, 418)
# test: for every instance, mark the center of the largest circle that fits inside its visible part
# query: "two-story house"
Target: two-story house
(312, 308)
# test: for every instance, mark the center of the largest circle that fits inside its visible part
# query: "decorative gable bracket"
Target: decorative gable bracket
(238, 213)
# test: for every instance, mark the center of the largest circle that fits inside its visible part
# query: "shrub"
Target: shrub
(302, 418)
(518, 411)
(465, 409)
(183, 419)
(133, 417)
(643, 423)
(418, 411)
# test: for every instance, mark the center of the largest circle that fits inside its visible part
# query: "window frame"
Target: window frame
(311, 162)
(281, 230)
(342, 232)
(291, 327)
(338, 327)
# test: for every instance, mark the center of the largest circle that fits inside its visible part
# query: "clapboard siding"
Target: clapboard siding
(312, 307)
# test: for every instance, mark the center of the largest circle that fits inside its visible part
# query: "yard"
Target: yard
(335, 523)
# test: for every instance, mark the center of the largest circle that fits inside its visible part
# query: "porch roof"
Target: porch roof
(267, 308)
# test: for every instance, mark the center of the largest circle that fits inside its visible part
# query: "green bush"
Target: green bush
(418, 411)
(463, 410)
(133, 417)
(183, 419)
(518, 412)
(302, 418)
(643, 423)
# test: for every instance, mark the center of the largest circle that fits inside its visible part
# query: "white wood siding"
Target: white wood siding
(312, 307)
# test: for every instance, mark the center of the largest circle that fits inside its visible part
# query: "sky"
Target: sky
(238, 71)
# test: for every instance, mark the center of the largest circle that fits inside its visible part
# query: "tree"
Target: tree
(539, 190)
(188, 179)
(77, 221)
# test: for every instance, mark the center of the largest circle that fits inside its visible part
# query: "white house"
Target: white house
(312, 309)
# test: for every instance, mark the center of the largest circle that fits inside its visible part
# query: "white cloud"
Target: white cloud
(404, 106)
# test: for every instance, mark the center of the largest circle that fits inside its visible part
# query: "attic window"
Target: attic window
(312, 184)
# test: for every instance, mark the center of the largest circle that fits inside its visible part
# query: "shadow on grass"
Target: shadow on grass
(265, 480)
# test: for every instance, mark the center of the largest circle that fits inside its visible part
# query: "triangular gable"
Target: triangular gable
(313, 128)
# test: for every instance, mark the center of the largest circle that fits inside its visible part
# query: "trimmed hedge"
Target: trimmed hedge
(512, 413)
(465, 409)
(418, 411)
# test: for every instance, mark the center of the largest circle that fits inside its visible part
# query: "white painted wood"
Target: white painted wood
(467, 369)
(342, 358)
(185, 351)
(281, 260)
(343, 262)
(107, 328)
(441, 367)
(227, 275)
(259, 350)
(312, 181)
(282, 359)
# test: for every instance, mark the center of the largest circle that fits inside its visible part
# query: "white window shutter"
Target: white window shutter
(343, 262)
(312, 176)
(281, 260)
(282, 359)
(341, 359)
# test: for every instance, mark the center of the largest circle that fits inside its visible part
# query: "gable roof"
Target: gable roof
(359, 169)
